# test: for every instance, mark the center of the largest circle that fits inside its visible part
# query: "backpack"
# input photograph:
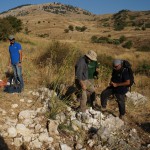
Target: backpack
(128, 66)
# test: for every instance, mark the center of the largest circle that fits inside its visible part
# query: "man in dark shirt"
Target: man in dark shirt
(118, 87)
(81, 78)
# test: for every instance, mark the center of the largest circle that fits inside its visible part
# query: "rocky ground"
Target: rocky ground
(30, 121)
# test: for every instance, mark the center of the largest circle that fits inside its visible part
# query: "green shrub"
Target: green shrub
(5, 29)
(9, 25)
(143, 68)
(132, 17)
(105, 60)
(116, 41)
(144, 48)
(57, 52)
(70, 27)
(43, 35)
(110, 41)
(81, 29)
(128, 44)
(122, 39)
(94, 39)
(103, 39)
(66, 30)
(109, 35)
(15, 23)
(26, 30)
(106, 24)
(147, 25)
(143, 28)
(119, 25)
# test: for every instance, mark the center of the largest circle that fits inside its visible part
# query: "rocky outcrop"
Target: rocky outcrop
(39, 132)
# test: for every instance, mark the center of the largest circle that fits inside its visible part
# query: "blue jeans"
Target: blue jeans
(18, 75)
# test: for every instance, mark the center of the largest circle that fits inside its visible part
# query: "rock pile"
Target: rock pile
(32, 127)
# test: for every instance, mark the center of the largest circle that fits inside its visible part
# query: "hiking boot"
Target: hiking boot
(122, 117)
(103, 109)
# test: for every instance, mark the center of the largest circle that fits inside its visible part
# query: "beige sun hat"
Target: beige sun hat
(92, 55)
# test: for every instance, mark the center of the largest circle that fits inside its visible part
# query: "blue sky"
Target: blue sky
(94, 6)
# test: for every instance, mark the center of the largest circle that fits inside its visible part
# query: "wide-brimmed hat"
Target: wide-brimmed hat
(11, 37)
(92, 55)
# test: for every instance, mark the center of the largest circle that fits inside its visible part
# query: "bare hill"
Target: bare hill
(52, 20)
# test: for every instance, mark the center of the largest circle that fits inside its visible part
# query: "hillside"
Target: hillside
(54, 35)
(52, 19)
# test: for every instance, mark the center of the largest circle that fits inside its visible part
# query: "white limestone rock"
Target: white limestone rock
(65, 147)
(21, 129)
(18, 141)
(27, 114)
(12, 132)
(52, 127)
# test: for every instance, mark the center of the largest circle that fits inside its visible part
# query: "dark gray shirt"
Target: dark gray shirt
(81, 69)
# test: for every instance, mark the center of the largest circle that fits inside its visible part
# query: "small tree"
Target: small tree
(128, 44)
(70, 27)
(83, 28)
(94, 39)
(5, 29)
(122, 39)
(15, 23)
(66, 30)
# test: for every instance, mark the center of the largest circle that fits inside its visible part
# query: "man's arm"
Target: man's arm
(126, 79)
(126, 83)
(20, 53)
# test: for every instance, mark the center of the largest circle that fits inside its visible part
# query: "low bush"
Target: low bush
(122, 39)
(57, 63)
(144, 48)
(127, 45)
(143, 68)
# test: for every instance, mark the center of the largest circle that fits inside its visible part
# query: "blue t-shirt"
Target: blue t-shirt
(14, 52)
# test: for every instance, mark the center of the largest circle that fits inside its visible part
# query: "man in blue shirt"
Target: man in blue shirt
(15, 51)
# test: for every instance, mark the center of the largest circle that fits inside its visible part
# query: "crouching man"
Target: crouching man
(118, 86)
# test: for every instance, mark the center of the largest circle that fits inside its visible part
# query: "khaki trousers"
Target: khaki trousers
(83, 93)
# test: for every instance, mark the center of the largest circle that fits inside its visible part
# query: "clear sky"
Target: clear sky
(94, 6)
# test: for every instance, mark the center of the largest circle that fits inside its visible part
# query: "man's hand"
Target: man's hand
(19, 65)
(113, 84)
(83, 86)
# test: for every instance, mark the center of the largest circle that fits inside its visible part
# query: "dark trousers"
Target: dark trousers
(120, 99)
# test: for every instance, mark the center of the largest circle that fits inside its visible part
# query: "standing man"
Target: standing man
(118, 86)
(15, 51)
(81, 78)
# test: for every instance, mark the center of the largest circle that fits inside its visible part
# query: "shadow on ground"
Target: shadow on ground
(3, 145)
(145, 126)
